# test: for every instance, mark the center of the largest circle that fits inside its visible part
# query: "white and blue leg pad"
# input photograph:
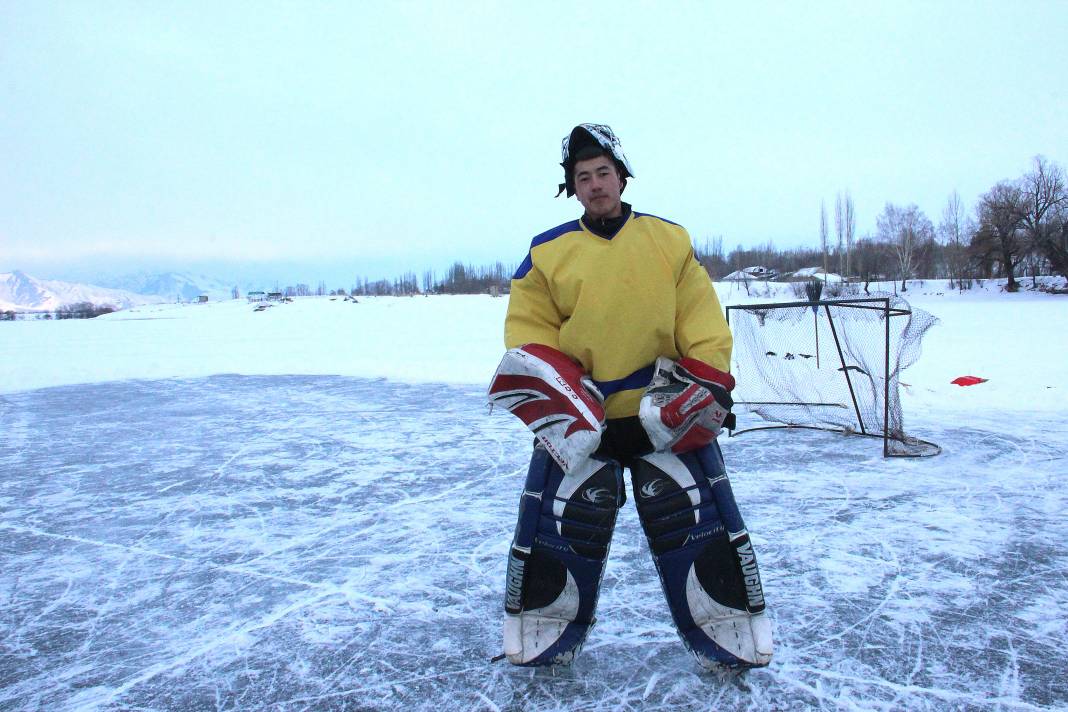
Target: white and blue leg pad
(557, 558)
(704, 557)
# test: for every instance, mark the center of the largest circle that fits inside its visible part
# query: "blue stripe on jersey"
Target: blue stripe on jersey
(541, 239)
(647, 215)
(638, 379)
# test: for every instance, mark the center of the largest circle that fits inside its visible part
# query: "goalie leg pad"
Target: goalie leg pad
(558, 557)
(704, 557)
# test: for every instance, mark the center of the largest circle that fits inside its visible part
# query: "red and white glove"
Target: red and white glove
(685, 405)
(555, 398)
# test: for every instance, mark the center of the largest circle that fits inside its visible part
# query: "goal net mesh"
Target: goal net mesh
(832, 364)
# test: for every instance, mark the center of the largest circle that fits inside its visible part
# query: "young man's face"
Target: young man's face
(598, 186)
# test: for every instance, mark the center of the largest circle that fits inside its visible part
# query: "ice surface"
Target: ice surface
(302, 542)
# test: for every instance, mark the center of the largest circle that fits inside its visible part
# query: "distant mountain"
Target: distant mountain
(21, 292)
(171, 286)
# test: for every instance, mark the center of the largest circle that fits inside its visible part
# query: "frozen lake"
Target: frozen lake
(302, 542)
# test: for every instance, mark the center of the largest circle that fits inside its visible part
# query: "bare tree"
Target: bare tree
(839, 231)
(845, 224)
(872, 260)
(952, 230)
(712, 257)
(999, 217)
(850, 219)
(906, 231)
(1044, 208)
(823, 233)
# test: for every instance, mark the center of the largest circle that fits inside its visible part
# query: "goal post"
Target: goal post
(829, 365)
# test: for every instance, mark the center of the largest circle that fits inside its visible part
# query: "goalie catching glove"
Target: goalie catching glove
(555, 398)
(686, 404)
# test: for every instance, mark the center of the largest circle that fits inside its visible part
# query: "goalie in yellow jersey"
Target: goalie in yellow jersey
(617, 358)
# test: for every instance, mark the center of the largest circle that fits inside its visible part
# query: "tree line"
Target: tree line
(1018, 227)
(80, 310)
(458, 279)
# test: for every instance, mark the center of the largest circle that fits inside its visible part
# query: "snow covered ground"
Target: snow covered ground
(206, 507)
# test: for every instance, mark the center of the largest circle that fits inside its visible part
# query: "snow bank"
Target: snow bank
(1017, 341)
(454, 339)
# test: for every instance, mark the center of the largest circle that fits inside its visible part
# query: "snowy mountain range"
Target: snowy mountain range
(171, 286)
(21, 292)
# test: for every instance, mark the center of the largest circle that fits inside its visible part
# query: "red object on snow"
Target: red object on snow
(968, 380)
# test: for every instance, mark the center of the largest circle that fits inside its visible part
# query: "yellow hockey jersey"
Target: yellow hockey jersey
(616, 304)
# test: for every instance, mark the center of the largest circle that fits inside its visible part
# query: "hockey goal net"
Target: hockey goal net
(830, 365)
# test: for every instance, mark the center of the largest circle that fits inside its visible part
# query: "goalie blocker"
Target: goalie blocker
(555, 398)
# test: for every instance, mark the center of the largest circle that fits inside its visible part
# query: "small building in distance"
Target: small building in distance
(202, 299)
(256, 297)
(809, 273)
(750, 274)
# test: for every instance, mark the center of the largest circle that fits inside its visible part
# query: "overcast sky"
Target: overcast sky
(368, 138)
